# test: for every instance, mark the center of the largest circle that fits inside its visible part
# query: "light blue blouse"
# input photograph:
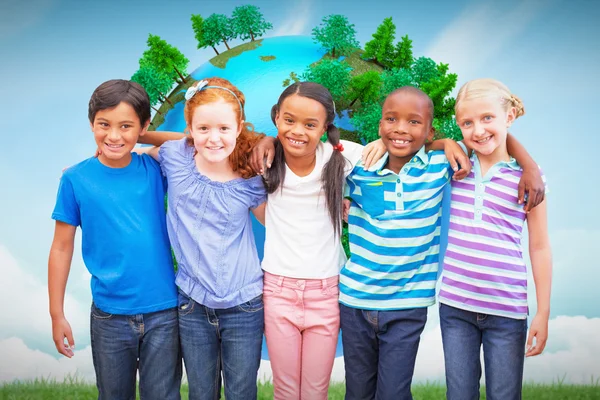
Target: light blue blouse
(210, 230)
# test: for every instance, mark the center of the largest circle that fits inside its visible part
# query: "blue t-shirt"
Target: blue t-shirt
(211, 231)
(125, 245)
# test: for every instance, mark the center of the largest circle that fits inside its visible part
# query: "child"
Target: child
(118, 200)
(211, 192)
(394, 234)
(303, 252)
(483, 294)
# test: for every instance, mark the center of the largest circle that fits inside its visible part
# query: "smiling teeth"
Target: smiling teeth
(114, 146)
(484, 140)
(295, 141)
(400, 141)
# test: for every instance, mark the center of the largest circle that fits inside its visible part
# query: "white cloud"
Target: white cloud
(24, 304)
(477, 35)
(16, 16)
(296, 22)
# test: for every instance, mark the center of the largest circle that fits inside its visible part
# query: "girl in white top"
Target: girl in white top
(303, 253)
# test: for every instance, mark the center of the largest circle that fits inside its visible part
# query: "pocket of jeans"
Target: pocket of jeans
(254, 305)
(185, 305)
(332, 291)
(99, 314)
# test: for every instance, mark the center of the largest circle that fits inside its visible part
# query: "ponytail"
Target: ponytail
(333, 180)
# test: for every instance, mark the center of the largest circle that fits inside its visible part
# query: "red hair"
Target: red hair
(248, 138)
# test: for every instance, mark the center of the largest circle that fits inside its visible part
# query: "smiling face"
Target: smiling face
(215, 128)
(484, 123)
(405, 126)
(300, 124)
(116, 131)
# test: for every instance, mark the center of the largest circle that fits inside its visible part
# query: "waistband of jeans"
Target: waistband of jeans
(295, 283)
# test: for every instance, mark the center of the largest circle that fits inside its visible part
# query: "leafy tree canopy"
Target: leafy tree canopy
(164, 58)
(403, 57)
(335, 34)
(156, 83)
(249, 23)
(217, 28)
(381, 47)
(198, 27)
(365, 87)
(333, 74)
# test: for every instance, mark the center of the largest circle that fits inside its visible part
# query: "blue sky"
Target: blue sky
(54, 53)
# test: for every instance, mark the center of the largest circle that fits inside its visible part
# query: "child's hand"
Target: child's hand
(539, 331)
(264, 148)
(457, 157)
(345, 210)
(97, 153)
(532, 186)
(373, 153)
(61, 330)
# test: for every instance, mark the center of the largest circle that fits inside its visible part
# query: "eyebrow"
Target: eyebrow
(308, 119)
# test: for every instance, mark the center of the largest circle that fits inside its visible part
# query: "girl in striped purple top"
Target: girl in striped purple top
(483, 292)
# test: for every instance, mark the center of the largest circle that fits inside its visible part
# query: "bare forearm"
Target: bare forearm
(439, 144)
(541, 261)
(157, 138)
(59, 265)
(518, 152)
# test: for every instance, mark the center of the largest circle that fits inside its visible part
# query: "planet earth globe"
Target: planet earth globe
(259, 72)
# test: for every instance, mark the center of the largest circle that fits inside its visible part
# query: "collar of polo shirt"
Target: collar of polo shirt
(419, 159)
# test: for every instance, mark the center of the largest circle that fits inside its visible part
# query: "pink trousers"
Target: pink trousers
(302, 322)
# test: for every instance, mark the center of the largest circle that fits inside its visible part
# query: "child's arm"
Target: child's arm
(157, 138)
(259, 213)
(541, 264)
(265, 148)
(531, 181)
(59, 264)
(455, 154)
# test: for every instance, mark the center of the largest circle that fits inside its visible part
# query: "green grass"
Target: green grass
(75, 389)
(267, 58)
(221, 60)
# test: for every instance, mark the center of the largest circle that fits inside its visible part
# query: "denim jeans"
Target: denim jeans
(122, 344)
(380, 349)
(503, 340)
(221, 340)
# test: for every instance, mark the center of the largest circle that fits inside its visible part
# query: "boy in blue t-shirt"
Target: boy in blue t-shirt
(118, 200)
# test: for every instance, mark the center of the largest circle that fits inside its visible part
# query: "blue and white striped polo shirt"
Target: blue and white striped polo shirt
(394, 233)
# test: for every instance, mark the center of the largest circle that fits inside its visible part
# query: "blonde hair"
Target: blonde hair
(487, 87)
(239, 159)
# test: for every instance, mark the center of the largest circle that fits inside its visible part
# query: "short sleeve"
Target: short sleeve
(352, 151)
(154, 165)
(173, 155)
(256, 191)
(66, 209)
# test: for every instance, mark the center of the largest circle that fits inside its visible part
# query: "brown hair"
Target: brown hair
(248, 138)
(486, 87)
(111, 93)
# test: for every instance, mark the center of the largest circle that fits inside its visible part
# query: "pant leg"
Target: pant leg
(399, 334)
(160, 356)
(319, 339)
(200, 346)
(461, 338)
(115, 349)
(284, 341)
(241, 329)
(361, 352)
(504, 355)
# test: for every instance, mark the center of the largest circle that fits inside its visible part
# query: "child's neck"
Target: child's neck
(395, 163)
(301, 166)
(120, 163)
(488, 161)
(215, 171)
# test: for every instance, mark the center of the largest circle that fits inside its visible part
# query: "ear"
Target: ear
(380, 122)
(430, 135)
(240, 127)
(145, 128)
(511, 115)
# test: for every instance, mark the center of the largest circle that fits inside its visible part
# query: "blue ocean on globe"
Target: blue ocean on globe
(262, 83)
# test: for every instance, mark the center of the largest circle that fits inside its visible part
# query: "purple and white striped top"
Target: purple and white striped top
(484, 270)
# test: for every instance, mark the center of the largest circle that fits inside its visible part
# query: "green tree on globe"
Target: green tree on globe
(248, 22)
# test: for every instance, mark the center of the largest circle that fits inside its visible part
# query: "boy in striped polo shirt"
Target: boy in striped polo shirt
(394, 233)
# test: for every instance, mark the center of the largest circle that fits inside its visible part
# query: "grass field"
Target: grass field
(74, 389)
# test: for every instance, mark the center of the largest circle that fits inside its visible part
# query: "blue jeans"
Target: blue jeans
(221, 340)
(503, 340)
(380, 349)
(122, 344)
